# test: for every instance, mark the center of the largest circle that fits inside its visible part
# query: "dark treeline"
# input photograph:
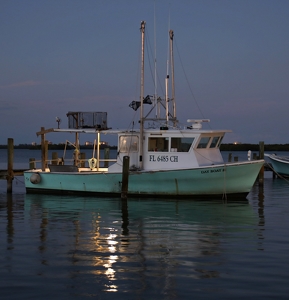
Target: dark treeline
(224, 147)
(54, 147)
(254, 147)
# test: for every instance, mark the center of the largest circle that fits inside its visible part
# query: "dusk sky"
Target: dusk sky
(231, 63)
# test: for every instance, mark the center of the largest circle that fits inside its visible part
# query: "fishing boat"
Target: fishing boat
(164, 157)
(280, 164)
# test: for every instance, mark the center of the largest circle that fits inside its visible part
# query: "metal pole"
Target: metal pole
(173, 77)
(142, 29)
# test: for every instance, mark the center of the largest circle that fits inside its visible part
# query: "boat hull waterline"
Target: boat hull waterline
(218, 180)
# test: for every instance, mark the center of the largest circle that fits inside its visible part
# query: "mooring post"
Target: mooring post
(46, 155)
(125, 172)
(230, 157)
(54, 158)
(82, 160)
(10, 175)
(261, 156)
(32, 163)
(42, 149)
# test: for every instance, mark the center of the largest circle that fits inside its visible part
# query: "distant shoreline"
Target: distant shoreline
(224, 147)
(55, 147)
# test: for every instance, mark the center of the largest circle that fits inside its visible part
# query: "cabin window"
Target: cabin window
(204, 142)
(181, 144)
(220, 141)
(214, 142)
(128, 143)
(158, 144)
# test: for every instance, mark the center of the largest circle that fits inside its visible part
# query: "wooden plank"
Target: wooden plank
(44, 131)
(16, 172)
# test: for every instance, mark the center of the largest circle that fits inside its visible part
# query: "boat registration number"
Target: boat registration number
(163, 158)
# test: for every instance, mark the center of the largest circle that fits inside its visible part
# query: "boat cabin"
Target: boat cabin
(169, 149)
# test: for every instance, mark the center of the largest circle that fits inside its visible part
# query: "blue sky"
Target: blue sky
(231, 63)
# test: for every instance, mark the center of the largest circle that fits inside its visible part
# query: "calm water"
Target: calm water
(56, 247)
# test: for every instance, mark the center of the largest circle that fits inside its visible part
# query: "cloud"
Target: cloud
(21, 84)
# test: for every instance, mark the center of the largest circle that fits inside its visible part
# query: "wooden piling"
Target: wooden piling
(10, 175)
(54, 160)
(32, 163)
(230, 157)
(261, 156)
(82, 160)
(125, 173)
(42, 149)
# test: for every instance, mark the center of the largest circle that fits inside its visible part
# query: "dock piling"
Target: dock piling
(32, 163)
(54, 160)
(261, 156)
(10, 175)
(125, 173)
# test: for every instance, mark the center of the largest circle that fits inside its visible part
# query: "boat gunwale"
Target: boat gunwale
(277, 158)
(90, 172)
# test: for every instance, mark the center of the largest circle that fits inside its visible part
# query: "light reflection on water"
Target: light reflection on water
(77, 247)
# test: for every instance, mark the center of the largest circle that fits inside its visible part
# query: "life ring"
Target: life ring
(92, 163)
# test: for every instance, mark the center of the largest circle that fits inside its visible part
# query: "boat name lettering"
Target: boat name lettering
(212, 171)
(163, 158)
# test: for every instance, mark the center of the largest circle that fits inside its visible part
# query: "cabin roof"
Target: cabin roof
(155, 131)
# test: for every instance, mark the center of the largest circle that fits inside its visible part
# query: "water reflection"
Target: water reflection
(117, 245)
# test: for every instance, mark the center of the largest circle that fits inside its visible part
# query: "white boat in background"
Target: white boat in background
(280, 164)
(165, 157)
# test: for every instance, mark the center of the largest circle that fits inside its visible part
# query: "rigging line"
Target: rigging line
(149, 50)
(156, 78)
(137, 77)
(189, 83)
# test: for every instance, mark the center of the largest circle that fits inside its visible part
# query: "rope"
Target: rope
(279, 175)
(18, 180)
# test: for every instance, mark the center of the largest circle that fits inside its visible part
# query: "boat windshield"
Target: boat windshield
(128, 143)
(214, 142)
(204, 142)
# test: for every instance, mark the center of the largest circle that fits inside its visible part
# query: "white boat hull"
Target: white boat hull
(280, 164)
(217, 180)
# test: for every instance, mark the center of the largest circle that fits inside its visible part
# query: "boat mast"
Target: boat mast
(157, 113)
(171, 33)
(142, 29)
(167, 98)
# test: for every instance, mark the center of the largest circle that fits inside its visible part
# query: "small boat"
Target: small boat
(280, 164)
(163, 157)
